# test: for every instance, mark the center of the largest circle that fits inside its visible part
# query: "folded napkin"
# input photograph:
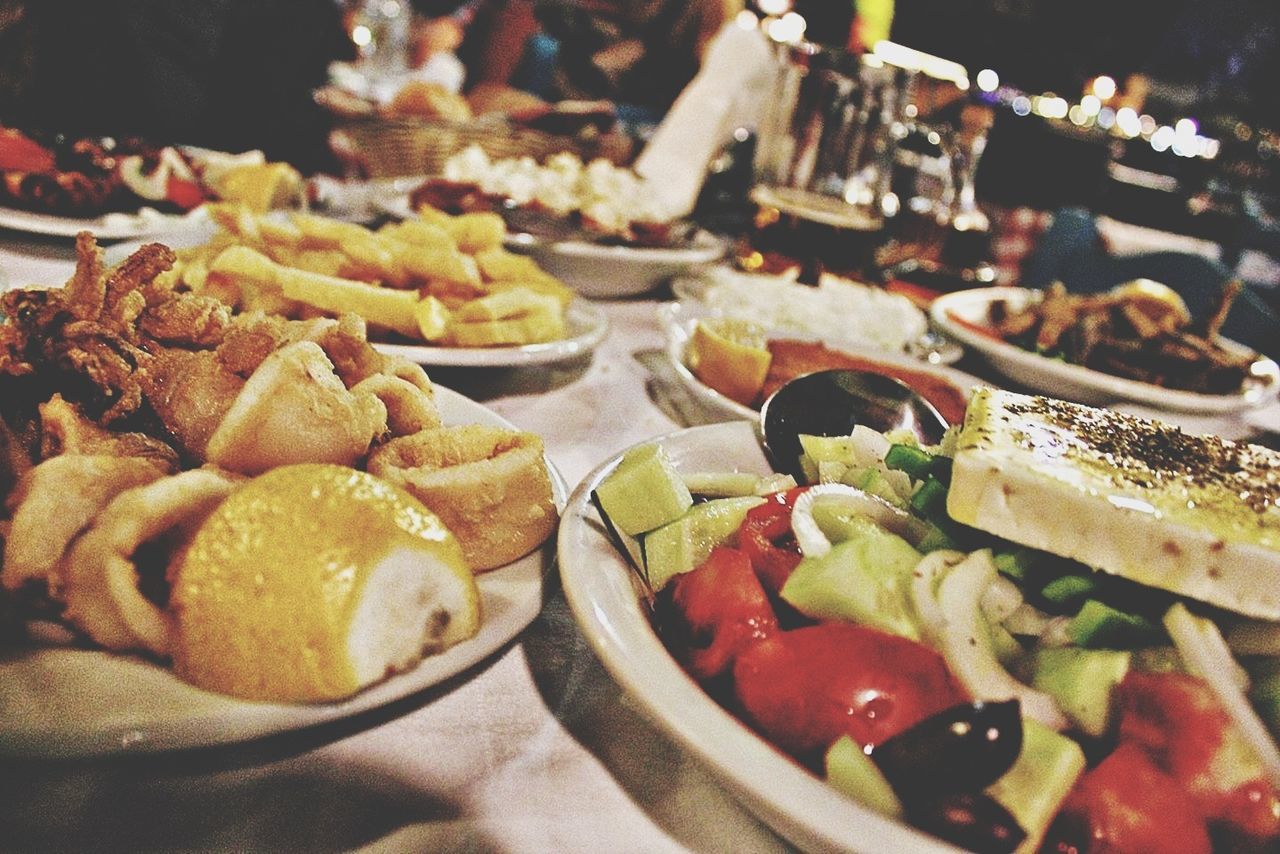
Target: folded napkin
(727, 93)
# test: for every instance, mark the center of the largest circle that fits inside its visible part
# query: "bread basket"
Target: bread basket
(383, 147)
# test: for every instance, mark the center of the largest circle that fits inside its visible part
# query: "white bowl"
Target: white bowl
(610, 272)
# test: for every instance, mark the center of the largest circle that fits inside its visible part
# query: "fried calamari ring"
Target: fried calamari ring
(409, 409)
(99, 573)
(295, 409)
(57, 500)
(489, 485)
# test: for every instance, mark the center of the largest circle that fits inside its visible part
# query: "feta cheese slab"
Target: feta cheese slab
(1195, 515)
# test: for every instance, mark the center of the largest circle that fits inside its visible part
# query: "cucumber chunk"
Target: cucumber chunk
(1081, 680)
(644, 492)
(865, 578)
(1035, 787)
(852, 772)
(683, 544)
(1100, 626)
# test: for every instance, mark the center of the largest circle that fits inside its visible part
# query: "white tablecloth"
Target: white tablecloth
(536, 750)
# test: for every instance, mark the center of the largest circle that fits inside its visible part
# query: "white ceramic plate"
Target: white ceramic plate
(951, 312)
(586, 328)
(600, 592)
(80, 703)
(678, 322)
(586, 325)
(598, 271)
(113, 226)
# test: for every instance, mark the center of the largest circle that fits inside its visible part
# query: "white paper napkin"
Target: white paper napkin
(728, 92)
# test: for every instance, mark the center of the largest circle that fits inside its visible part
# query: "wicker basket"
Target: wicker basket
(389, 148)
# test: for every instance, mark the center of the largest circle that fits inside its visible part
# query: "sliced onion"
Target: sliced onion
(1027, 621)
(1000, 599)
(924, 589)
(814, 543)
(1205, 652)
(965, 640)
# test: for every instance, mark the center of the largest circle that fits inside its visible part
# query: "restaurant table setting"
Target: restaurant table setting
(534, 747)
(564, 724)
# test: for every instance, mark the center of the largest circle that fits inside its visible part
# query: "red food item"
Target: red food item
(722, 600)
(185, 194)
(1127, 805)
(767, 539)
(1178, 721)
(20, 153)
(807, 687)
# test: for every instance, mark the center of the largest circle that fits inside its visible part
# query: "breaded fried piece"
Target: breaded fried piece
(124, 299)
(54, 502)
(189, 320)
(191, 391)
(64, 429)
(86, 290)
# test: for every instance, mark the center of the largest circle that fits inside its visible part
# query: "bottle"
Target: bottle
(380, 30)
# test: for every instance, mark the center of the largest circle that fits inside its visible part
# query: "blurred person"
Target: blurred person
(635, 54)
(232, 75)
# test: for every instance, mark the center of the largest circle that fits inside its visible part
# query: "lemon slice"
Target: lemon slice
(313, 581)
(1156, 300)
(261, 186)
(731, 356)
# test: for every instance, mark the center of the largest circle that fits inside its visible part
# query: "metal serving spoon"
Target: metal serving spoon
(831, 403)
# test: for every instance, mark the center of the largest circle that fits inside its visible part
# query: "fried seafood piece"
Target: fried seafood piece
(409, 408)
(489, 485)
(190, 391)
(295, 409)
(86, 291)
(189, 320)
(64, 429)
(253, 336)
(53, 502)
(101, 575)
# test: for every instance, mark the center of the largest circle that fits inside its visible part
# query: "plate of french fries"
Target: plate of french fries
(438, 290)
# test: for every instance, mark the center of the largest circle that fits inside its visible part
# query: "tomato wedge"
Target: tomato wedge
(766, 538)
(806, 687)
(722, 603)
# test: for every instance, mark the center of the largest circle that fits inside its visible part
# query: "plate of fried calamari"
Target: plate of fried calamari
(438, 291)
(222, 527)
(1137, 342)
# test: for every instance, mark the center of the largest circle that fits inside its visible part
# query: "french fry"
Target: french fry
(426, 264)
(514, 317)
(433, 319)
(417, 232)
(392, 309)
(498, 265)
(473, 232)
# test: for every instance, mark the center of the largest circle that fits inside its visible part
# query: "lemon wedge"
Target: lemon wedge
(731, 356)
(261, 186)
(1156, 300)
(313, 581)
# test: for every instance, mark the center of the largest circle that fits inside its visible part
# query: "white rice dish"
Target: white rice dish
(836, 310)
